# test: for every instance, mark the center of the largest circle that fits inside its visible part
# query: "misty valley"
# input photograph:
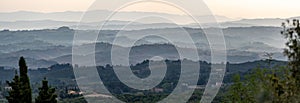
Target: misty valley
(55, 58)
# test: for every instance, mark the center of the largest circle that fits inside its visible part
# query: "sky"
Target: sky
(228, 8)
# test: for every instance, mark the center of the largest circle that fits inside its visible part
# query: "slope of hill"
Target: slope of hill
(243, 44)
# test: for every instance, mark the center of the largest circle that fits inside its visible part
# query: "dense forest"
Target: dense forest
(61, 77)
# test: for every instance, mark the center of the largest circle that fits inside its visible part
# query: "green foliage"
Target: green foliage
(273, 84)
(15, 93)
(21, 91)
(46, 94)
(74, 100)
(248, 90)
(236, 90)
(264, 86)
(291, 32)
(141, 98)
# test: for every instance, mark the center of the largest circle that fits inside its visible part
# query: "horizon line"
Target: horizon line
(80, 11)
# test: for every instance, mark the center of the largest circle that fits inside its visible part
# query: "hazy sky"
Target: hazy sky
(229, 8)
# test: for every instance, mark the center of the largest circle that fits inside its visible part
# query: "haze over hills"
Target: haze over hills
(149, 51)
(50, 46)
(50, 43)
(98, 15)
(25, 20)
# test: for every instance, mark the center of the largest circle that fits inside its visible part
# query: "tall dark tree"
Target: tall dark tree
(21, 91)
(25, 83)
(292, 33)
(46, 94)
(15, 92)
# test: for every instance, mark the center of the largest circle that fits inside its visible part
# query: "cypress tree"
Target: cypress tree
(46, 94)
(25, 83)
(21, 90)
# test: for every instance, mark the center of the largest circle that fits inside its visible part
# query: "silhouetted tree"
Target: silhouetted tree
(25, 83)
(15, 92)
(21, 91)
(46, 94)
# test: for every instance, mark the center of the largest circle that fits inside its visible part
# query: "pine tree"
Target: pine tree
(46, 94)
(15, 93)
(25, 83)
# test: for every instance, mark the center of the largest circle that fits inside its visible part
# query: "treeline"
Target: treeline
(21, 91)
